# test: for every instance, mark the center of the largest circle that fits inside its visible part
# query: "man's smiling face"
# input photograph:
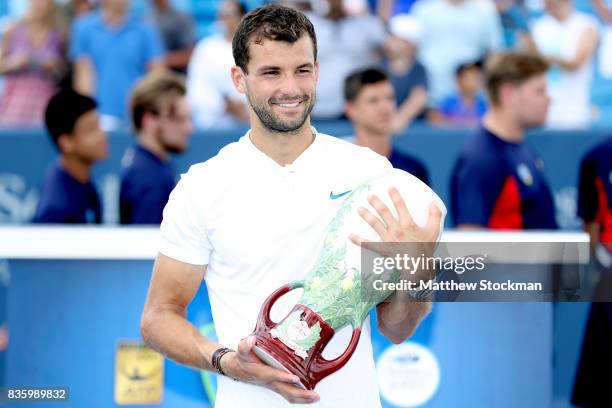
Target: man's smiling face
(280, 83)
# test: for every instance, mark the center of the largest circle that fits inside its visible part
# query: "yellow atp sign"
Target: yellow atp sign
(139, 374)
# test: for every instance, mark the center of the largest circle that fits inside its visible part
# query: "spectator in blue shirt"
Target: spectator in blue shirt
(111, 49)
(466, 106)
(370, 106)
(68, 196)
(162, 120)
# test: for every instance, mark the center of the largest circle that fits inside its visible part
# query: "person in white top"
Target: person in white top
(604, 10)
(454, 32)
(568, 39)
(254, 217)
(216, 104)
(346, 43)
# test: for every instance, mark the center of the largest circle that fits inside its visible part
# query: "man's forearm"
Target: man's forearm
(400, 315)
(167, 331)
(83, 76)
(409, 109)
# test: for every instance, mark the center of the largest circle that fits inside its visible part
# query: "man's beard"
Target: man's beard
(271, 121)
(168, 147)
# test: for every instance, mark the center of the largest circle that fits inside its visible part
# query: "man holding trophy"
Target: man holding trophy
(277, 208)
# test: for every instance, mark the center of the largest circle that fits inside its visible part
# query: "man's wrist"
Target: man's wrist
(216, 358)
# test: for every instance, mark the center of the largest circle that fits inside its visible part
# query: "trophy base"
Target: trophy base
(275, 354)
(271, 361)
(307, 365)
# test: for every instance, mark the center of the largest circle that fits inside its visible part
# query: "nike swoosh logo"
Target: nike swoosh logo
(336, 196)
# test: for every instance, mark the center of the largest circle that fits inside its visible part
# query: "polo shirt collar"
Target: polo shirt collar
(302, 162)
(128, 19)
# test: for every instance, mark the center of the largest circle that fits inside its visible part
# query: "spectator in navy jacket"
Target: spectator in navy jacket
(162, 120)
(68, 194)
(371, 108)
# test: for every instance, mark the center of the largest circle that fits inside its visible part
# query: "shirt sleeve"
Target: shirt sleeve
(447, 106)
(78, 40)
(494, 37)
(148, 208)
(153, 46)
(186, 34)
(588, 204)
(183, 231)
(377, 33)
(475, 184)
(422, 173)
(420, 76)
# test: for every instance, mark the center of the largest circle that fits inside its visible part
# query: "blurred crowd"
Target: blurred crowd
(432, 50)
(82, 68)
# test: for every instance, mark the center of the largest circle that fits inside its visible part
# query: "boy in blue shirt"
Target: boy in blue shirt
(468, 104)
(162, 120)
(68, 196)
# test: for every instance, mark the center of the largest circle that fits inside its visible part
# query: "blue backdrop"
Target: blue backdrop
(66, 317)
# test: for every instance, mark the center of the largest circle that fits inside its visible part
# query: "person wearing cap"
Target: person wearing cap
(406, 73)
(68, 195)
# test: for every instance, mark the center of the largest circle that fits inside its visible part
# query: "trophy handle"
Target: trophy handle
(325, 367)
(264, 322)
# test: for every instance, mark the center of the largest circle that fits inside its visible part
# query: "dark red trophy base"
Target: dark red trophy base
(273, 352)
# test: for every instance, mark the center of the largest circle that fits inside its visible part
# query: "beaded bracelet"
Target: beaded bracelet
(216, 358)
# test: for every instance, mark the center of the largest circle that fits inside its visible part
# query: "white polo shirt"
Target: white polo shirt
(259, 225)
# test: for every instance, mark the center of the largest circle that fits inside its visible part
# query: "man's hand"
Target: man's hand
(417, 241)
(245, 366)
(399, 316)
(403, 229)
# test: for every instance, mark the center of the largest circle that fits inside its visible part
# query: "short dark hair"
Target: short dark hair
(354, 83)
(511, 68)
(270, 22)
(148, 93)
(64, 110)
(461, 68)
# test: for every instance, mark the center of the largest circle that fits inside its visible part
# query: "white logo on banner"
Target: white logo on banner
(566, 202)
(408, 374)
(17, 201)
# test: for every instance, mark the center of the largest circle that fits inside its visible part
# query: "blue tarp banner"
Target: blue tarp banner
(24, 156)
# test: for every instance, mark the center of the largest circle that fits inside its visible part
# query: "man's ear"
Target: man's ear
(506, 92)
(349, 110)
(316, 70)
(147, 118)
(238, 78)
(65, 143)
